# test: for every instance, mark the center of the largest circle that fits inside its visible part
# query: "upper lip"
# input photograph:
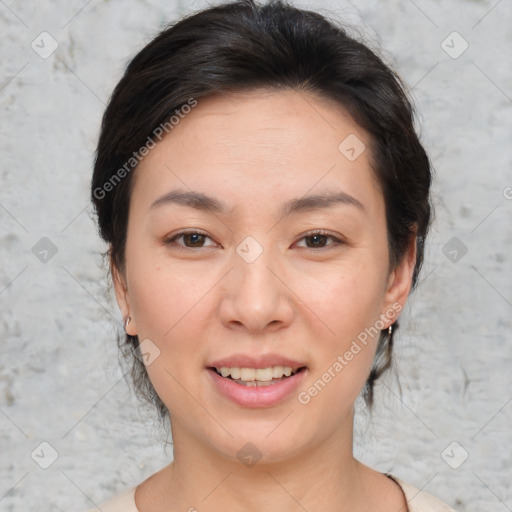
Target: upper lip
(261, 361)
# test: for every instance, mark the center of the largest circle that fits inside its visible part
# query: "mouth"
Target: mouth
(257, 387)
(256, 377)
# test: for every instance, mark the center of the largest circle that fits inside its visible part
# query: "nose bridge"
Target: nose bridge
(254, 276)
(256, 296)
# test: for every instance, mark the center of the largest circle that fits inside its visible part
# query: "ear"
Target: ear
(400, 279)
(123, 298)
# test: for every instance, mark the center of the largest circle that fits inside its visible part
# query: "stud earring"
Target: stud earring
(127, 321)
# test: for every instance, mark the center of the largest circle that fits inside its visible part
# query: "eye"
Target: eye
(318, 240)
(196, 240)
(191, 240)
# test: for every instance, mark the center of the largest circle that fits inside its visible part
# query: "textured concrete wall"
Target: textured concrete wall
(59, 379)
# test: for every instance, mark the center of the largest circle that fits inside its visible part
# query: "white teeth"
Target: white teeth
(246, 374)
(224, 371)
(277, 372)
(256, 374)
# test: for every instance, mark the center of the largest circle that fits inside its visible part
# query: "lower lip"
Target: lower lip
(257, 396)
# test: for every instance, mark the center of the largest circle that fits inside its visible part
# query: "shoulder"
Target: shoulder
(417, 500)
(122, 502)
(421, 501)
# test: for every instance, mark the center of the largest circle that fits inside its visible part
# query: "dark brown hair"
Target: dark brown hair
(243, 46)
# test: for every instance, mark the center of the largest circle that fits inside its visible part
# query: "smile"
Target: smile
(256, 387)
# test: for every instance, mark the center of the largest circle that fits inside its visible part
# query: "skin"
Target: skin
(254, 151)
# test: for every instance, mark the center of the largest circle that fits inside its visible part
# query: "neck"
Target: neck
(321, 477)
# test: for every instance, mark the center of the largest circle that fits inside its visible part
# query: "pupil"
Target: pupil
(195, 238)
(316, 238)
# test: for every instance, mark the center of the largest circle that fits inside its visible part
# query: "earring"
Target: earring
(127, 321)
(390, 330)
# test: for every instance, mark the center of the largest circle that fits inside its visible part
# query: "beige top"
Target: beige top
(417, 501)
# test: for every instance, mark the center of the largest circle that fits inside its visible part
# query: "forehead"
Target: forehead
(260, 142)
(239, 121)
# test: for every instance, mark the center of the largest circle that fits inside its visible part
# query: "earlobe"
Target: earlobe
(400, 280)
(123, 300)
(126, 322)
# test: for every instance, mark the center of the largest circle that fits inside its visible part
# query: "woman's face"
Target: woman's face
(259, 279)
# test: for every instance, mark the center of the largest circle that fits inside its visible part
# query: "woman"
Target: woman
(265, 199)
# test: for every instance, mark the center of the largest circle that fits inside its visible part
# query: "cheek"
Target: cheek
(348, 304)
(164, 297)
(347, 299)
(171, 308)
(343, 359)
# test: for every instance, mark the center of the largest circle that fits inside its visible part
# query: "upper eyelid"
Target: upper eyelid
(191, 232)
(338, 239)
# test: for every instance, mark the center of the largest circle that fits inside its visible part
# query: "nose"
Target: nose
(256, 296)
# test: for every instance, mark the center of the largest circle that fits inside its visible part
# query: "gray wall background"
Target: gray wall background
(60, 383)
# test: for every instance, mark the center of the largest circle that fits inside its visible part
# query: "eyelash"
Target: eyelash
(336, 241)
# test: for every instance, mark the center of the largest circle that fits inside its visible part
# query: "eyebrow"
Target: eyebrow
(200, 201)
